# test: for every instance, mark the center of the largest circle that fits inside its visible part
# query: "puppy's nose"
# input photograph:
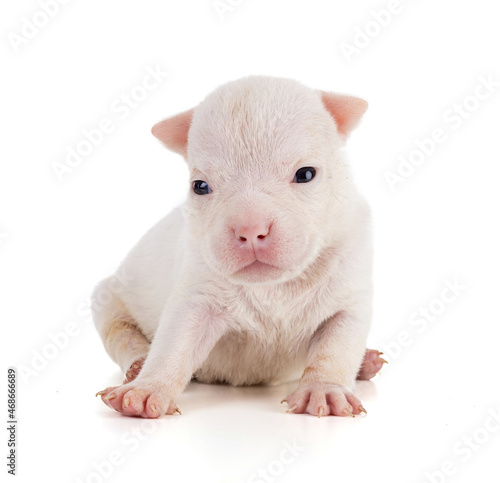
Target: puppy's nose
(253, 234)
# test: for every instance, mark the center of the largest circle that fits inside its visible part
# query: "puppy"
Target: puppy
(263, 275)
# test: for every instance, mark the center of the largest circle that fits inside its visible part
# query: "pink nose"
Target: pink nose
(253, 234)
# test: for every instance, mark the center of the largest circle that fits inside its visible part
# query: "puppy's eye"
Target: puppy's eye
(304, 175)
(201, 187)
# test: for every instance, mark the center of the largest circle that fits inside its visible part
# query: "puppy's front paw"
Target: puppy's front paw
(323, 399)
(136, 399)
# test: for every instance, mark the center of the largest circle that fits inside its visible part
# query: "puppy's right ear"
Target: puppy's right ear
(173, 132)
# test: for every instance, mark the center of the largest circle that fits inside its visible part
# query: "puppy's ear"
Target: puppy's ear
(173, 132)
(345, 110)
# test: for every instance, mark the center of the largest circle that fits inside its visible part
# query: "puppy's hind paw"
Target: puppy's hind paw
(133, 370)
(371, 365)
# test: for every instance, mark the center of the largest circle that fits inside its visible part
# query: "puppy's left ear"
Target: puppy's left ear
(173, 132)
(345, 110)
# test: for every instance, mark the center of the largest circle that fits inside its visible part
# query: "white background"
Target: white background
(439, 226)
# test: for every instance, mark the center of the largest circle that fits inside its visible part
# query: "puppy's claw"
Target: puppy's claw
(292, 409)
(362, 409)
(109, 397)
(284, 401)
(380, 353)
(100, 393)
(384, 361)
(177, 410)
(348, 413)
(320, 412)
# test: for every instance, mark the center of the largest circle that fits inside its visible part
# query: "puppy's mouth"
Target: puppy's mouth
(257, 265)
(258, 271)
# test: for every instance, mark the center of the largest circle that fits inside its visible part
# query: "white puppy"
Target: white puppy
(264, 273)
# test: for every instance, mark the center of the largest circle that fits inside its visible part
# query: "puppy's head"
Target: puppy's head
(269, 189)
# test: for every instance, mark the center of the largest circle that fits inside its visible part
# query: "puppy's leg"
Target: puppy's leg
(119, 331)
(335, 355)
(186, 334)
